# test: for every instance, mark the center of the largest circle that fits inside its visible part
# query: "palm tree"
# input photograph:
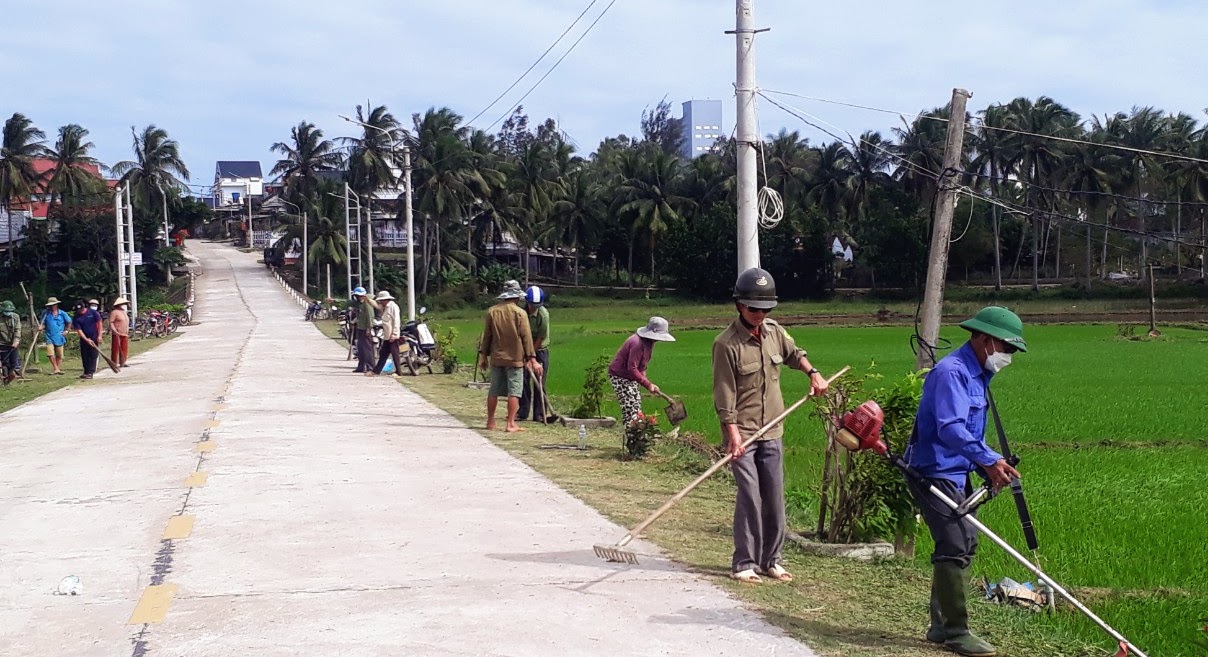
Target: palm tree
(371, 156)
(71, 176)
(329, 245)
(156, 170)
(921, 151)
(1039, 157)
(534, 189)
(303, 159)
(577, 211)
(868, 163)
(1087, 172)
(22, 142)
(993, 162)
(829, 181)
(648, 199)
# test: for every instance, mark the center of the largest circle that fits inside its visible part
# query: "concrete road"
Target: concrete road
(238, 491)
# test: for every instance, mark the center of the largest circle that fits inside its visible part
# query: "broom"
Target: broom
(112, 365)
(617, 553)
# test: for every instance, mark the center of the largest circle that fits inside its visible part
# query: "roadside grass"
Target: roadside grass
(41, 382)
(1114, 459)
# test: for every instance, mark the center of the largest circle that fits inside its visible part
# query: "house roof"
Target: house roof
(238, 169)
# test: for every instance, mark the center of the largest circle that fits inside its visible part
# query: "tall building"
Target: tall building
(702, 127)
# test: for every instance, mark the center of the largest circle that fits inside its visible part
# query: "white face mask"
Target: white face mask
(94, 307)
(996, 361)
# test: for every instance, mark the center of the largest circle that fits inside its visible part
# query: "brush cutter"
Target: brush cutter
(618, 554)
(676, 413)
(861, 429)
(112, 365)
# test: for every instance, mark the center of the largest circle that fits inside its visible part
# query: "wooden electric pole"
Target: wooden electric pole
(945, 205)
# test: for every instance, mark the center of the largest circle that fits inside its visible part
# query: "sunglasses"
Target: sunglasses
(758, 310)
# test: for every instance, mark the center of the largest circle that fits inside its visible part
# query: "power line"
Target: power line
(534, 65)
(551, 69)
(984, 126)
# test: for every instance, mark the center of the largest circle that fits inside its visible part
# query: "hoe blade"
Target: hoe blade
(615, 554)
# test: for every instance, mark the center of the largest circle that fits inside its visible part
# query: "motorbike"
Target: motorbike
(421, 343)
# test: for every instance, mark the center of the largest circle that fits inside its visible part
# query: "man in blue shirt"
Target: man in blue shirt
(87, 324)
(55, 323)
(948, 444)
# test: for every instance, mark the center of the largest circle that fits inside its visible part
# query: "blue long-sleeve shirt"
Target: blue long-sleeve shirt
(951, 422)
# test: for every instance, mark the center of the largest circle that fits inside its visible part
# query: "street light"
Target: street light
(305, 247)
(407, 211)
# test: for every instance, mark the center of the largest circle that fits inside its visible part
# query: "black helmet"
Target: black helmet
(756, 288)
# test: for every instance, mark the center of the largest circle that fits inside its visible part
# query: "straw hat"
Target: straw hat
(121, 301)
(384, 295)
(53, 301)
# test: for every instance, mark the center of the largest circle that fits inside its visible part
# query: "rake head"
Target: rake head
(615, 554)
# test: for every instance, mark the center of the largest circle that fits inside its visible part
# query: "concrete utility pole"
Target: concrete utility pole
(945, 205)
(410, 233)
(121, 240)
(748, 175)
(133, 269)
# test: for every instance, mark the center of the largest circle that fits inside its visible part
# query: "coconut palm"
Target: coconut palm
(302, 160)
(920, 147)
(371, 156)
(648, 200)
(993, 163)
(828, 182)
(22, 142)
(577, 211)
(534, 192)
(156, 170)
(71, 176)
(868, 162)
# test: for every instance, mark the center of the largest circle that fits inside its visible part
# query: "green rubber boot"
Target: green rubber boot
(950, 586)
(936, 632)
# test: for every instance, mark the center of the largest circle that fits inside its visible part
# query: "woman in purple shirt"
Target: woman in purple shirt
(628, 368)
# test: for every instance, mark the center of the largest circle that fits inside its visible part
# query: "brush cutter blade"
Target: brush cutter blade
(615, 554)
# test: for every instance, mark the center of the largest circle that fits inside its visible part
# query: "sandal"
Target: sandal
(778, 573)
(747, 576)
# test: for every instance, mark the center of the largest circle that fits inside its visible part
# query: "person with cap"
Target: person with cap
(362, 332)
(10, 341)
(55, 323)
(119, 332)
(392, 326)
(628, 368)
(747, 358)
(506, 348)
(87, 324)
(948, 442)
(538, 318)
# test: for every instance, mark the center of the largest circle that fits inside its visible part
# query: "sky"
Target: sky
(228, 79)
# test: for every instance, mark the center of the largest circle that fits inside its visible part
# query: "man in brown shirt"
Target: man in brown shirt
(507, 347)
(119, 329)
(747, 358)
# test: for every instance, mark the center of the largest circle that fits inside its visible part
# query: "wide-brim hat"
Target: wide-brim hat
(998, 322)
(656, 329)
(53, 301)
(92, 301)
(120, 301)
(511, 290)
(384, 295)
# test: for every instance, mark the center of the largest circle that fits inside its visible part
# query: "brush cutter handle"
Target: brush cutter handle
(725, 460)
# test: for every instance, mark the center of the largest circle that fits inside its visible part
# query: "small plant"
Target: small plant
(491, 278)
(445, 352)
(640, 436)
(595, 387)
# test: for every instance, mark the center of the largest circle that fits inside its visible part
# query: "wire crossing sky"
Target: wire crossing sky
(228, 79)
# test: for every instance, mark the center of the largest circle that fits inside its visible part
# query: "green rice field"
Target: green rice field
(1111, 432)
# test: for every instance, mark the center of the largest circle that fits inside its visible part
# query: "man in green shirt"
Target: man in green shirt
(10, 340)
(538, 316)
(363, 333)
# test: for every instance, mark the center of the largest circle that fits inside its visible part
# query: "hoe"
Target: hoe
(860, 430)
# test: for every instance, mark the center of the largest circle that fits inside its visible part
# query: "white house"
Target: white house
(236, 180)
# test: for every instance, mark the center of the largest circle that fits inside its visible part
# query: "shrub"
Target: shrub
(595, 387)
(445, 352)
(640, 436)
(89, 280)
(491, 277)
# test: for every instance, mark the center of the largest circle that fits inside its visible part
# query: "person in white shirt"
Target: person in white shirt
(392, 326)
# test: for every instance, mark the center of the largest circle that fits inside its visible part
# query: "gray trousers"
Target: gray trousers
(364, 348)
(759, 508)
(529, 398)
(955, 540)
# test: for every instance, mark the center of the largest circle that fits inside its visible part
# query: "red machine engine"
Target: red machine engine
(861, 428)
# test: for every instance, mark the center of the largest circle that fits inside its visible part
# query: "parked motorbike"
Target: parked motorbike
(420, 340)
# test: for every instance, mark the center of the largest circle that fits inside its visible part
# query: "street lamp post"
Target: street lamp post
(305, 248)
(407, 212)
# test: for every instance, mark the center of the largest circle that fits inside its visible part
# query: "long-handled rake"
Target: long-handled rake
(617, 553)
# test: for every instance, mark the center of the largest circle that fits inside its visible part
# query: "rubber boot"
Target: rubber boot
(951, 585)
(936, 632)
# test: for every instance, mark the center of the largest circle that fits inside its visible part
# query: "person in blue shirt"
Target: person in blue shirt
(948, 444)
(55, 323)
(87, 324)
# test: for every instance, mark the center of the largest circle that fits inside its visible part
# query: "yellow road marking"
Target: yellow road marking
(179, 527)
(153, 606)
(196, 479)
(206, 446)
